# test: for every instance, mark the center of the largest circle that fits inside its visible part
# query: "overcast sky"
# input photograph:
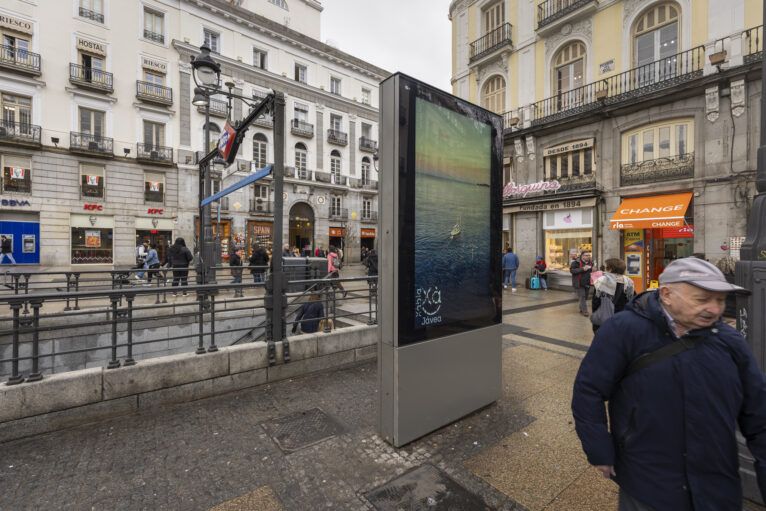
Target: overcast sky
(411, 36)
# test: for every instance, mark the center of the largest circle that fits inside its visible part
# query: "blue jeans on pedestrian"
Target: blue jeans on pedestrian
(257, 277)
(9, 256)
(141, 274)
(512, 275)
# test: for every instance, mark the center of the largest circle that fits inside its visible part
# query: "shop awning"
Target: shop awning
(651, 212)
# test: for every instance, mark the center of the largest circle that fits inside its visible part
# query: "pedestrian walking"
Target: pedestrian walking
(140, 254)
(6, 249)
(259, 261)
(510, 265)
(179, 258)
(679, 381)
(152, 262)
(541, 269)
(371, 262)
(235, 262)
(581, 270)
(286, 252)
(309, 315)
(613, 286)
(333, 268)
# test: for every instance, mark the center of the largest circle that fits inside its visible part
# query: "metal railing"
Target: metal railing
(153, 36)
(339, 213)
(90, 77)
(155, 153)
(660, 169)
(367, 144)
(91, 15)
(301, 128)
(153, 92)
(753, 44)
(337, 137)
(261, 206)
(552, 10)
(369, 185)
(217, 107)
(371, 216)
(19, 59)
(491, 41)
(264, 121)
(91, 143)
(20, 131)
(45, 328)
(654, 76)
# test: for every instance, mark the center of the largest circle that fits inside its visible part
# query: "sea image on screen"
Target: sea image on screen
(452, 216)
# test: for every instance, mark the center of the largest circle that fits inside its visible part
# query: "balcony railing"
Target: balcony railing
(337, 137)
(301, 128)
(261, 206)
(491, 41)
(576, 183)
(339, 213)
(91, 143)
(552, 10)
(90, 78)
(218, 108)
(367, 144)
(19, 60)
(19, 132)
(753, 44)
(154, 36)
(657, 75)
(91, 15)
(154, 93)
(265, 121)
(369, 185)
(661, 169)
(154, 153)
(370, 216)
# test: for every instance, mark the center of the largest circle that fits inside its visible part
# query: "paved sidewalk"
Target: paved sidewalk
(240, 452)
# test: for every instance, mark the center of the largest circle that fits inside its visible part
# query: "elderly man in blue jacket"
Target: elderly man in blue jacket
(678, 381)
(510, 265)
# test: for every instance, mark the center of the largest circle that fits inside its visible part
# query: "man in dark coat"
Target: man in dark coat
(259, 261)
(670, 441)
(581, 269)
(309, 315)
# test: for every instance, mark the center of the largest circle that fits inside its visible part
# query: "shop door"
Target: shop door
(162, 239)
(301, 227)
(665, 246)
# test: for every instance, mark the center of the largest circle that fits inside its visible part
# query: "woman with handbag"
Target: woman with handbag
(614, 286)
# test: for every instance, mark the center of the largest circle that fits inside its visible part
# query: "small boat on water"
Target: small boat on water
(456, 229)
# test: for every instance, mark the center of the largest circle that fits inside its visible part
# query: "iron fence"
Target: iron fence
(301, 128)
(91, 77)
(337, 137)
(552, 10)
(491, 41)
(660, 169)
(153, 92)
(19, 59)
(91, 143)
(155, 153)
(753, 44)
(20, 131)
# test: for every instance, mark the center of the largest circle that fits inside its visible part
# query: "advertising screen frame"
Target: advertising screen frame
(409, 91)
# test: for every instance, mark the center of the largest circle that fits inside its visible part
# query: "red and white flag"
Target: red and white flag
(17, 173)
(92, 180)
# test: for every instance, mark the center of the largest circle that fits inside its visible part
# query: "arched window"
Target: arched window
(365, 171)
(335, 166)
(493, 95)
(569, 75)
(215, 134)
(301, 155)
(655, 46)
(260, 144)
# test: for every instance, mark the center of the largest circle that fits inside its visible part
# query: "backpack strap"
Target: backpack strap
(658, 355)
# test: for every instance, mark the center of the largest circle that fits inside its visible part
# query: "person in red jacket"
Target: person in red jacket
(333, 267)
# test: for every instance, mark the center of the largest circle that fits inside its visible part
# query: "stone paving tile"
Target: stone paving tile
(590, 492)
(262, 499)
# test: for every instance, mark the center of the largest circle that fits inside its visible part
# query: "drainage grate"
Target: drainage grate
(302, 429)
(425, 488)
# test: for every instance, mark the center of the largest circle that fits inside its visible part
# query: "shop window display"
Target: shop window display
(91, 245)
(559, 243)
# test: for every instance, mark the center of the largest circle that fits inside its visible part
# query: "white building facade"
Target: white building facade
(99, 139)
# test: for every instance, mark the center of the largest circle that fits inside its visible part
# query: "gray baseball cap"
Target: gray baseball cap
(699, 273)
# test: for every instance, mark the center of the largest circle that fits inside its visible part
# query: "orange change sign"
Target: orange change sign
(659, 211)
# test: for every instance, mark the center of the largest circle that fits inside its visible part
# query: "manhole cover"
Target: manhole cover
(302, 429)
(425, 488)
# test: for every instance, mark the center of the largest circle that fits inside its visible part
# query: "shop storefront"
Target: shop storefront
(23, 229)
(221, 235)
(337, 234)
(92, 239)
(568, 232)
(656, 230)
(367, 238)
(155, 230)
(259, 233)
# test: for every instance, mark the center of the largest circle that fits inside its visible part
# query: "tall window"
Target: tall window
(300, 73)
(16, 48)
(493, 95)
(92, 122)
(301, 112)
(334, 85)
(155, 83)
(366, 131)
(569, 74)
(92, 181)
(212, 40)
(215, 133)
(367, 208)
(154, 187)
(336, 205)
(336, 122)
(259, 58)
(17, 174)
(656, 43)
(493, 16)
(17, 112)
(154, 135)
(92, 9)
(93, 67)
(260, 144)
(366, 95)
(669, 139)
(569, 164)
(300, 160)
(365, 171)
(335, 167)
(154, 26)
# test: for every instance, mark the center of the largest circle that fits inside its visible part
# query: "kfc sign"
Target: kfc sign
(93, 207)
(155, 211)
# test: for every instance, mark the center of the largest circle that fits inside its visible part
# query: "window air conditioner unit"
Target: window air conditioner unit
(259, 207)
(93, 145)
(154, 155)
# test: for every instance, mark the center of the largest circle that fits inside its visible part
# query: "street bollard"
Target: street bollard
(35, 374)
(114, 363)
(129, 357)
(15, 378)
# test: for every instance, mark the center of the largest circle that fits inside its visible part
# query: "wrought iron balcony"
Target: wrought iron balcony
(301, 128)
(19, 132)
(16, 59)
(85, 142)
(370, 216)
(261, 206)
(265, 121)
(154, 93)
(90, 78)
(753, 44)
(491, 41)
(337, 137)
(576, 183)
(91, 15)
(552, 10)
(655, 76)
(367, 144)
(660, 169)
(339, 213)
(218, 108)
(153, 36)
(369, 185)
(154, 153)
